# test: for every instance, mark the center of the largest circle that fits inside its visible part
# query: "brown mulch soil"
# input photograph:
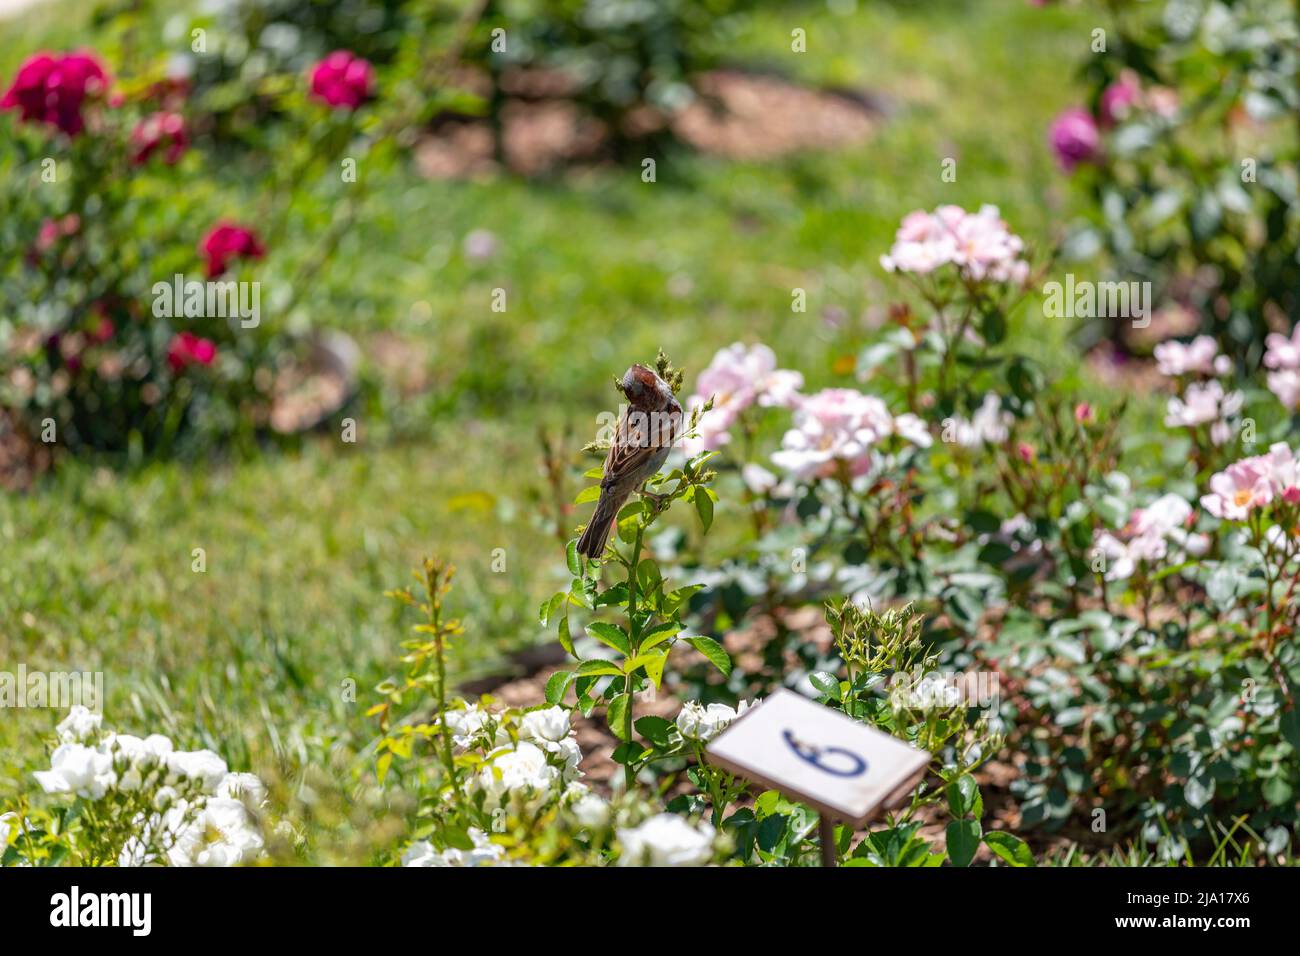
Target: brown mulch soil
(738, 115)
(21, 458)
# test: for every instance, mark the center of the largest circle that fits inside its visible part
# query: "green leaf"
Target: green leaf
(1290, 727)
(964, 798)
(591, 493)
(556, 685)
(1010, 848)
(611, 634)
(616, 714)
(828, 684)
(714, 651)
(1276, 790)
(548, 608)
(628, 753)
(616, 594)
(704, 507)
(659, 633)
(648, 576)
(382, 765)
(572, 559)
(963, 841)
(562, 633)
(597, 668)
(681, 596)
(653, 664)
(657, 730)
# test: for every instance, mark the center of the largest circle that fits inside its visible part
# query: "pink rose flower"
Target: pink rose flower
(226, 242)
(739, 376)
(52, 87)
(187, 349)
(1239, 489)
(342, 80)
(839, 428)
(979, 244)
(1201, 356)
(1119, 98)
(157, 131)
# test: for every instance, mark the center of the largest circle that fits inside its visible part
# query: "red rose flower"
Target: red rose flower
(342, 80)
(225, 242)
(51, 88)
(187, 349)
(156, 131)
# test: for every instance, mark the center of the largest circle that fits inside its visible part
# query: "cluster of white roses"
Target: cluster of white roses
(522, 774)
(536, 767)
(187, 808)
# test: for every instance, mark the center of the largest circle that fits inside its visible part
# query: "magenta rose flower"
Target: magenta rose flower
(52, 87)
(159, 131)
(1075, 138)
(342, 80)
(186, 349)
(227, 242)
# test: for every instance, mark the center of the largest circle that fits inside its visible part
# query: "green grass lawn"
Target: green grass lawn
(251, 655)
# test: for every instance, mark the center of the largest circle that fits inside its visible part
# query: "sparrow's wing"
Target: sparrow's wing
(641, 435)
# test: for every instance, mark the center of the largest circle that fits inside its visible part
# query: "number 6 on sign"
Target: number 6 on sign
(818, 756)
(814, 755)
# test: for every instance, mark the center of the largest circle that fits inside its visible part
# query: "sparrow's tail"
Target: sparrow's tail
(594, 536)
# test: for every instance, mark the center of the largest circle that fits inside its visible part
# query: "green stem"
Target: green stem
(634, 634)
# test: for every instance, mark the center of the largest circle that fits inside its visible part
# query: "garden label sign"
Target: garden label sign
(818, 756)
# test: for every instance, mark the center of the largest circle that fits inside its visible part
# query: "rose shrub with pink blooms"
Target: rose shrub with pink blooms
(1124, 584)
(1185, 143)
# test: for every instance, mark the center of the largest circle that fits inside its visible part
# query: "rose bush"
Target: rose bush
(1186, 148)
(100, 346)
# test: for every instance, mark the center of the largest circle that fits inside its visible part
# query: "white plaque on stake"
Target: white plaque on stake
(818, 756)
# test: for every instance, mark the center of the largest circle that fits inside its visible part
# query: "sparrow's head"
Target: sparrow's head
(644, 389)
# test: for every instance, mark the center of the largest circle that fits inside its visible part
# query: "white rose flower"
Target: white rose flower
(245, 787)
(549, 724)
(8, 824)
(591, 811)
(202, 766)
(521, 775)
(705, 723)
(666, 840)
(485, 853)
(223, 834)
(76, 768)
(78, 725)
(419, 853)
(466, 724)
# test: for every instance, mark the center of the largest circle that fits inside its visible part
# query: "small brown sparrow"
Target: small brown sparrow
(646, 432)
